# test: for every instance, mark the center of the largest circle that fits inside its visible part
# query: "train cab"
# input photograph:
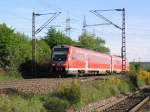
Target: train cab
(59, 58)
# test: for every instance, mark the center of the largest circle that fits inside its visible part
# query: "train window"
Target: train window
(60, 54)
(117, 62)
(73, 56)
(97, 59)
(59, 57)
(78, 56)
(60, 49)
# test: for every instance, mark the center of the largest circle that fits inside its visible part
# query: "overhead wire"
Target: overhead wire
(54, 7)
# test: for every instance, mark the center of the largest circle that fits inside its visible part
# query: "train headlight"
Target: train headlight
(53, 64)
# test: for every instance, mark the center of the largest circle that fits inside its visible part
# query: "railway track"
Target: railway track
(145, 107)
(41, 85)
(131, 103)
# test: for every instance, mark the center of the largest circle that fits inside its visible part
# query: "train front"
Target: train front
(59, 59)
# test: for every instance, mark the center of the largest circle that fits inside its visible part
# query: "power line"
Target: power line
(54, 7)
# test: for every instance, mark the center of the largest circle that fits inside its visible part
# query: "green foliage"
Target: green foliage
(55, 104)
(133, 81)
(63, 97)
(134, 68)
(93, 43)
(14, 48)
(71, 93)
(43, 52)
(11, 75)
(18, 104)
(99, 90)
(55, 37)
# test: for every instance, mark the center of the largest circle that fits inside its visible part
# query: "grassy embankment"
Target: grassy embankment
(74, 96)
(9, 75)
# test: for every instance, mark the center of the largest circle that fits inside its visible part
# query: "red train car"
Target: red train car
(74, 60)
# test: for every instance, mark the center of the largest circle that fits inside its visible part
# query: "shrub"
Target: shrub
(55, 104)
(144, 76)
(133, 81)
(62, 97)
(70, 93)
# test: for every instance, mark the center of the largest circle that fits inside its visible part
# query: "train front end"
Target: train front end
(59, 59)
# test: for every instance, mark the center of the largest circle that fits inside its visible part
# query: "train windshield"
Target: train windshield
(60, 54)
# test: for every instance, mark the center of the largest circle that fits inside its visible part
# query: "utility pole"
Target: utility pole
(123, 54)
(122, 28)
(33, 45)
(34, 32)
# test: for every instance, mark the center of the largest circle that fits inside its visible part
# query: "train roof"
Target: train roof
(87, 50)
(91, 51)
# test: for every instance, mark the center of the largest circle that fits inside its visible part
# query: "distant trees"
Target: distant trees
(93, 43)
(55, 37)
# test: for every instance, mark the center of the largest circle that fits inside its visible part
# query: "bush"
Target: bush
(133, 81)
(70, 93)
(63, 97)
(144, 76)
(55, 104)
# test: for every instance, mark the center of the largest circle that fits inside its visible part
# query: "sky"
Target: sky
(17, 14)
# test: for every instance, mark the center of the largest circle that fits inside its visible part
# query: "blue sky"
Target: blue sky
(17, 14)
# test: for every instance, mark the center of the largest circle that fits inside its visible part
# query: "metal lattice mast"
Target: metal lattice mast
(33, 45)
(68, 28)
(84, 25)
(123, 54)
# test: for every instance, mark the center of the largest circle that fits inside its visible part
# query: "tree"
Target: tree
(43, 52)
(55, 37)
(93, 43)
(14, 48)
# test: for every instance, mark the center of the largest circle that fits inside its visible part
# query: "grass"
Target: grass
(10, 75)
(99, 90)
(19, 104)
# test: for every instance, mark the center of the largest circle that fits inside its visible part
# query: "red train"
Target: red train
(74, 60)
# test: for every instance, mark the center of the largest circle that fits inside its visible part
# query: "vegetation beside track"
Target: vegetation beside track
(10, 75)
(19, 104)
(71, 96)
